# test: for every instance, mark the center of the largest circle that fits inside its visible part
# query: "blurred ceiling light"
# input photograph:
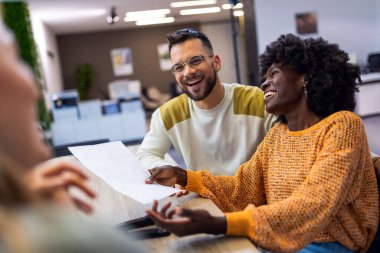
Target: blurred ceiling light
(155, 21)
(191, 3)
(56, 15)
(132, 18)
(199, 11)
(228, 6)
(147, 14)
(113, 17)
(238, 13)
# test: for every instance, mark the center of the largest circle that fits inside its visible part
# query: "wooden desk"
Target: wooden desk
(113, 207)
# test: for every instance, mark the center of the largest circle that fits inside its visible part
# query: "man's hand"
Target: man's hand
(191, 221)
(52, 180)
(167, 175)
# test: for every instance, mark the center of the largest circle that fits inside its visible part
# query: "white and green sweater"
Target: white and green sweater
(218, 140)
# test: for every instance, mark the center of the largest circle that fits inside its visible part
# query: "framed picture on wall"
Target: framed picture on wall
(122, 61)
(164, 56)
(306, 23)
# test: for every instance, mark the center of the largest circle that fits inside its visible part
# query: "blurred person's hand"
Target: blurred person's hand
(52, 180)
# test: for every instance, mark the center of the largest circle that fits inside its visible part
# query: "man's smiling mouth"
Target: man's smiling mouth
(194, 82)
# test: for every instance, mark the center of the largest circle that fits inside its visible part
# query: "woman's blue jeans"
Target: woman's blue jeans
(325, 247)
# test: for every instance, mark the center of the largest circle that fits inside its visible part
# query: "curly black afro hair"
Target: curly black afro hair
(331, 79)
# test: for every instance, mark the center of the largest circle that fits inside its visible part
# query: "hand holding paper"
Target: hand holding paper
(118, 167)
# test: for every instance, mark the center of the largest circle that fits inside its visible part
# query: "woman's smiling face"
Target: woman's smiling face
(283, 89)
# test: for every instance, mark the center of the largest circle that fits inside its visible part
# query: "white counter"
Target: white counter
(368, 97)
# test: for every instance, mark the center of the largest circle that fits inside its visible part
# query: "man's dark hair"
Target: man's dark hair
(183, 35)
(330, 78)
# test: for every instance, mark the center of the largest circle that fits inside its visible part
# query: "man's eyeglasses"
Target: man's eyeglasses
(192, 62)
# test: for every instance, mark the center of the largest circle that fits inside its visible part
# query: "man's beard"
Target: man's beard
(210, 84)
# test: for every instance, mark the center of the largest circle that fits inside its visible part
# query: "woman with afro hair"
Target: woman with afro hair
(311, 185)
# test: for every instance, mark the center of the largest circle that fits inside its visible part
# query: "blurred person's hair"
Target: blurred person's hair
(183, 35)
(13, 192)
(331, 80)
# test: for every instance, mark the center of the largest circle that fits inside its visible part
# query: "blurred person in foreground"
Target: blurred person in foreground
(34, 193)
(20, 140)
(311, 185)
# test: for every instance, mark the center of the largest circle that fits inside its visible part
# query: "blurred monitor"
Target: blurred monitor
(63, 99)
(110, 107)
(65, 106)
(374, 62)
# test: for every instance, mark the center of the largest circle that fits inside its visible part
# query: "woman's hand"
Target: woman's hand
(52, 180)
(190, 221)
(167, 175)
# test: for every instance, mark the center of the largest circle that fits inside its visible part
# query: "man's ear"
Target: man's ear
(217, 63)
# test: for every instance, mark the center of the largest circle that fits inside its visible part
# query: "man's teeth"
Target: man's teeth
(193, 82)
(269, 94)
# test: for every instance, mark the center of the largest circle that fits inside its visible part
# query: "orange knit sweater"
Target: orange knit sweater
(315, 185)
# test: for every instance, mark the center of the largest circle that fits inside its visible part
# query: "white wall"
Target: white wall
(51, 66)
(377, 10)
(354, 25)
(220, 36)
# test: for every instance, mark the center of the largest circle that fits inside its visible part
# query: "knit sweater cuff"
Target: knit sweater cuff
(238, 223)
(194, 181)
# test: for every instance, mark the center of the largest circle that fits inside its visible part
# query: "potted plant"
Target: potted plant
(84, 76)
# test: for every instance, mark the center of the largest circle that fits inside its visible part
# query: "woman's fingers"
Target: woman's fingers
(164, 209)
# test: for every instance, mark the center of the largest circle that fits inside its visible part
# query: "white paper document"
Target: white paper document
(117, 166)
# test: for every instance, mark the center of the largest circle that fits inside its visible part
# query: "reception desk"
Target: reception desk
(86, 122)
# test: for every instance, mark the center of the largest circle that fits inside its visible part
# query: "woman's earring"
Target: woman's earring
(305, 90)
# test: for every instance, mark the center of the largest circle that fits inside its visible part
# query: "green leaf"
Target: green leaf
(16, 17)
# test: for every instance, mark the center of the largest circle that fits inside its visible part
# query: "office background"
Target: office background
(354, 25)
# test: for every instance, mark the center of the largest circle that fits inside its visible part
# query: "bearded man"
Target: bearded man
(214, 126)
